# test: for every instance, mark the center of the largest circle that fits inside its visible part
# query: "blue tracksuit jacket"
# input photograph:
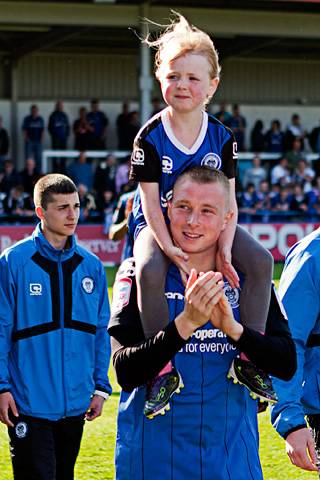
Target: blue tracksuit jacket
(299, 291)
(54, 310)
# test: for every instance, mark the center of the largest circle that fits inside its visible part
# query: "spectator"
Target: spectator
(303, 175)
(255, 174)
(262, 196)
(105, 174)
(257, 138)
(106, 204)
(33, 130)
(4, 143)
(294, 130)
(59, 129)
(156, 106)
(280, 173)
(133, 128)
(223, 115)
(99, 123)
(122, 175)
(82, 131)
(274, 194)
(87, 203)
(122, 126)
(299, 201)
(80, 171)
(313, 197)
(10, 177)
(275, 138)
(18, 202)
(238, 125)
(282, 201)
(247, 199)
(29, 175)
(119, 226)
(295, 154)
(314, 139)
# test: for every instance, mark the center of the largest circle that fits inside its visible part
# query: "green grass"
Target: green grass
(95, 461)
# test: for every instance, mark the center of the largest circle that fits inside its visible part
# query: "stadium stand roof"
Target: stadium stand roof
(269, 28)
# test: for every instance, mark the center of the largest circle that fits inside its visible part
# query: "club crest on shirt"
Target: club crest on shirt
(211, 160)
(137, 157)
(87, 284)
(232, 295)
(21, 430)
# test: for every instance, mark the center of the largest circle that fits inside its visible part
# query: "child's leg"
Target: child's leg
(256, 263)
(151, 271)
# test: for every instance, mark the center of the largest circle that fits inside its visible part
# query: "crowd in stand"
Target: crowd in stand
(287, 187)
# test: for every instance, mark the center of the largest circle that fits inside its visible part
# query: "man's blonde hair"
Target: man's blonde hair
(180, 38)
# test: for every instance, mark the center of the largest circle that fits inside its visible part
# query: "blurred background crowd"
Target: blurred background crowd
(276, 180)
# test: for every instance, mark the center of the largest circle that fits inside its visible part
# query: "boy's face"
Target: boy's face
(61, 215)
(186, 83)
(198, 214)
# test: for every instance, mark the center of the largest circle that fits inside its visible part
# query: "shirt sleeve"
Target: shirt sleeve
(7, 309)
(299, 289)
(274, 352)
(136, 360)
(145, 162)
(229, 156)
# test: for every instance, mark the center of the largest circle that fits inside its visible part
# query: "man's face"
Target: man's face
(61, 215)
(198, 214)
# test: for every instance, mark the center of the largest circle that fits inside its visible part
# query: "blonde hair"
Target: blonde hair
(180, 38)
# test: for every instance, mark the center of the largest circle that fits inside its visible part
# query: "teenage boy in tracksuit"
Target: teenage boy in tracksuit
(54, 346)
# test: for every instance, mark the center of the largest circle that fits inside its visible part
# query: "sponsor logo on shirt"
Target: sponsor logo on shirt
(174, 295)
(235, 150)
(87, 284)
(35, 289)
(121, 294)
(137, 157)
(167, 164)
(211, 160)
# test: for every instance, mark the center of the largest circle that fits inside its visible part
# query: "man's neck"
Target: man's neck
(203, 262)
(58, 242)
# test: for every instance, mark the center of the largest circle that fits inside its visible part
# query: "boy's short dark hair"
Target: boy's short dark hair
(54, 183)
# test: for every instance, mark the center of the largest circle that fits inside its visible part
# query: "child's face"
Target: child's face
(186, 83)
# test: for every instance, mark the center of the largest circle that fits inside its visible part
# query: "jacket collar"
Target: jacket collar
(47, 250)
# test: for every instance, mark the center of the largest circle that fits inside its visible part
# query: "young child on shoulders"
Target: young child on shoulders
(179, 137)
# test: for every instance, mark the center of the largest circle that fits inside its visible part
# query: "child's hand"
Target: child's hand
(180, 259)
(223, 265)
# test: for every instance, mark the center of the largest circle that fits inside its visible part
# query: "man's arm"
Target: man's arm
(138, 361)
(274, 352)
(300, 291)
